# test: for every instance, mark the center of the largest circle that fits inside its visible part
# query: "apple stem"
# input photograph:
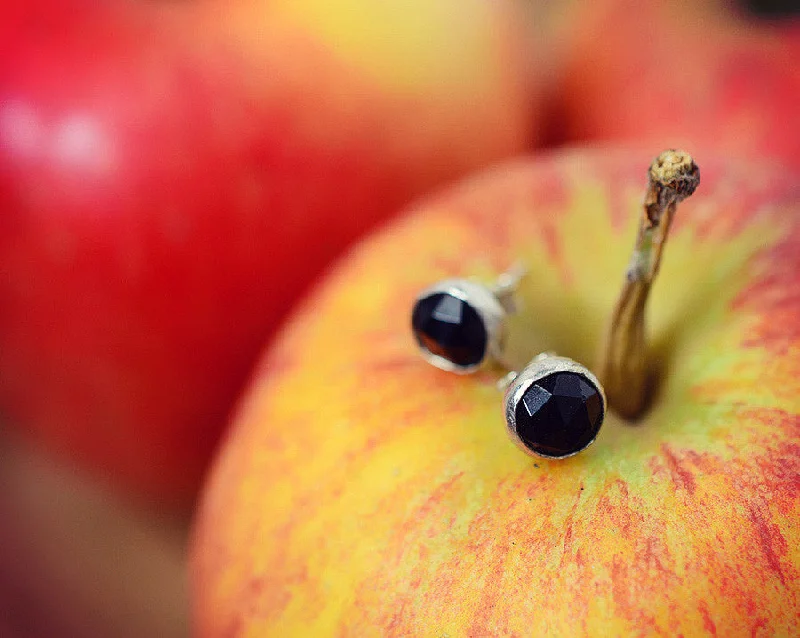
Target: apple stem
(624, 370)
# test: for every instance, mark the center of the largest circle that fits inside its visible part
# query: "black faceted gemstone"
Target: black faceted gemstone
(449, 327)
(560, 414)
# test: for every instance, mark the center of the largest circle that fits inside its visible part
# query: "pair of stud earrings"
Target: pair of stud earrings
(554, 407)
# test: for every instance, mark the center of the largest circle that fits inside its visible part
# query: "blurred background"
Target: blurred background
(174, 176)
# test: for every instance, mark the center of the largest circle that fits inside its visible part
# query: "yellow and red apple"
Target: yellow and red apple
(173, 175)
(363, 492)
(674, 72)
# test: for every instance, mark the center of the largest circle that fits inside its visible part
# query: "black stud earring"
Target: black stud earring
(554, 407)
(460, 325)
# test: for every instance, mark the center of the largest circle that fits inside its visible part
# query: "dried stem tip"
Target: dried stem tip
(624, 371)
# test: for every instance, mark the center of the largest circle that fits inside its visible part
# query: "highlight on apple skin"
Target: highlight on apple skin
(364, 492)
(174, 175)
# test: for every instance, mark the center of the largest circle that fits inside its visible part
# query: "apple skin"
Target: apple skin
(362, 492)
(676, 72)
(172, 177)
(77, 561)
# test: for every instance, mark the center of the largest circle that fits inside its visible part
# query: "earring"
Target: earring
(554, 407)
(460, 325)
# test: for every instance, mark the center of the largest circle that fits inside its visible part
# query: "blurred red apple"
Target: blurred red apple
(363, 492)
(676, 72)
(172, 177)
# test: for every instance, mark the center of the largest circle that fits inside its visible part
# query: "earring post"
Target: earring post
(507, 284)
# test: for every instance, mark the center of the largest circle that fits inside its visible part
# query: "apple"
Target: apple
(173, 176)
(363, 492)
(675, 72)
(78, 562)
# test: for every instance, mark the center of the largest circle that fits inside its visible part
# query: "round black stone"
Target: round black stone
(559, 414)
(449, 327)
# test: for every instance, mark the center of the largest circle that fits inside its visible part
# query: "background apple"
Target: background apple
(364, 492)
(76, 561)
(173, 175)
(676, 72)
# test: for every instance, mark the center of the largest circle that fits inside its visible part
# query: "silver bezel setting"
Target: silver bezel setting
(539, 368)
(489, 309)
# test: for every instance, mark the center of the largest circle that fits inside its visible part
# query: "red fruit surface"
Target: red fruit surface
(681, 73)
(362, 492)
(172, 177)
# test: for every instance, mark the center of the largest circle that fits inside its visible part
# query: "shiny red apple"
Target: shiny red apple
(682, 73)
(172, 177)
(362, 492)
